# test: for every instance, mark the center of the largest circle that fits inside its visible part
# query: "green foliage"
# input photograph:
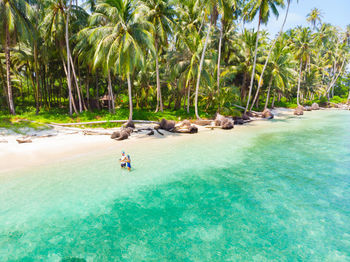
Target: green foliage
(338, 100)
(122, 38)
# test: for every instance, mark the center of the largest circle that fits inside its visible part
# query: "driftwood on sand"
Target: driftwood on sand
(22, 140)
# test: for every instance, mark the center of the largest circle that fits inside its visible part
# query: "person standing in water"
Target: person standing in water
(128, 162)
(123, 160)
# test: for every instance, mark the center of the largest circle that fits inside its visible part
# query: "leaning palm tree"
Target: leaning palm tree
(261, 7)
(161, 14)
(13, 20)
(269, 54)
(212, 15)
(56, 25)
(120, 38)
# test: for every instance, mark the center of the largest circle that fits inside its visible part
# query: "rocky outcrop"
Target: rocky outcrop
(267, 114)
(186, 127)
(124, 133)
(315, 106)
(168, 125)
(224, 122)
(307, 108)
(299, 111)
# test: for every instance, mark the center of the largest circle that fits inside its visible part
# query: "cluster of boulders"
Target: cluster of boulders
(223, 122)
(183, 127)
(168, 125)
(300, 109)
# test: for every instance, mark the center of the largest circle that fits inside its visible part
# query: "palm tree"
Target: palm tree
(56, 26)
(269, 54)
(188, 43)
(280, 68)
(210, 7)
(120, 38)
(229, 10)
(161, 14)
(13, 19)
(262, 7)
(314, 17)
(303, 49)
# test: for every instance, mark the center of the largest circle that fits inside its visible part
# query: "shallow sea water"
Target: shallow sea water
(277, 191)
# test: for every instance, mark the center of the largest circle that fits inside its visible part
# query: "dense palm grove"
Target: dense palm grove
(191, 55)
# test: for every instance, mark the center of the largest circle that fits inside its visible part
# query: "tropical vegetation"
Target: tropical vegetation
(148, 58)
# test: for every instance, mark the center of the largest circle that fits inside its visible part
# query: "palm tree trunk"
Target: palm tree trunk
(200, 70)
(76, 84)
(69, 82)
(130, 97)
(37, 78)
(299, 80)
(69, 93)
(97, 95)
(347, 101)
(159, 93)
(273, 100)
(268, 94)
(336, 78)
(269, 54)
(2, 74)
(8, 72)
(110, 92)
(88, 90)
(254, 66)
(188, 97)
(219, 59)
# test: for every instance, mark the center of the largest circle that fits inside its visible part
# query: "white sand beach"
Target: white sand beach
(71, 142)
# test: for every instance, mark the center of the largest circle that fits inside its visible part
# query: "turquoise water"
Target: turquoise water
(277, 191)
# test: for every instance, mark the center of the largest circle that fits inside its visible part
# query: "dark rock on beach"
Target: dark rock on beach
(238, 120)
(151, 133)
(168, 125)
(245, 117)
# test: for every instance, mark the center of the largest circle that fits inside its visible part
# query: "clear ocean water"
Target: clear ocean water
(277, 191)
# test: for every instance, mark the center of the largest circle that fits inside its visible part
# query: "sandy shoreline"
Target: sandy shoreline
(14, 156)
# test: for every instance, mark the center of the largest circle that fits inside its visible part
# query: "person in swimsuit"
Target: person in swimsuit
(128, 162)
(123, 160)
